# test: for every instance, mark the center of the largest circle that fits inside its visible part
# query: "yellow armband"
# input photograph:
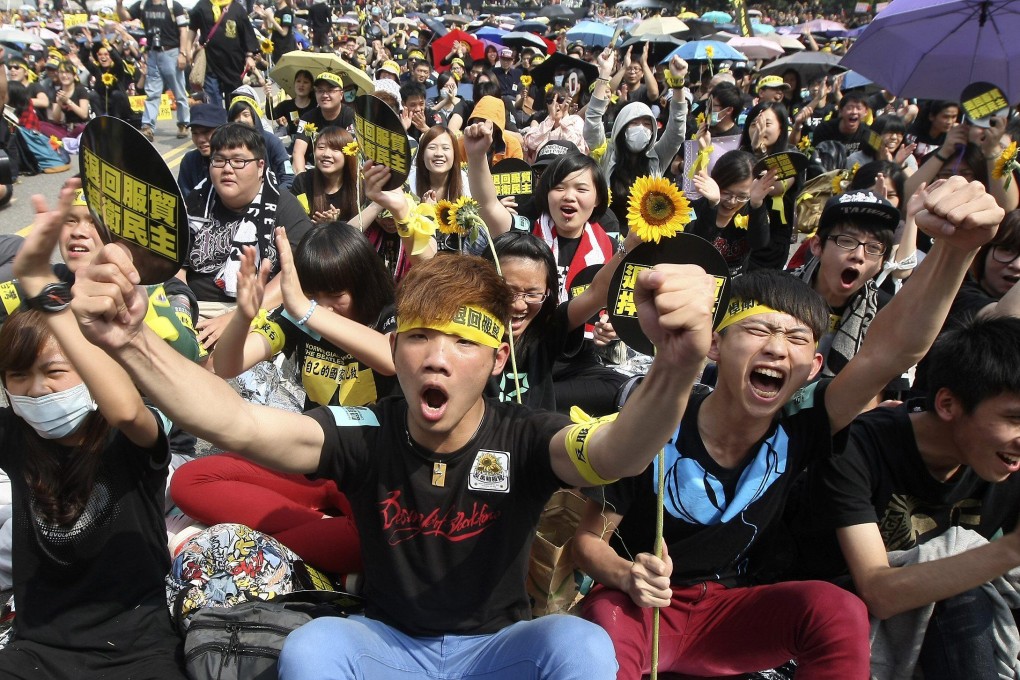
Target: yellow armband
(578, 439)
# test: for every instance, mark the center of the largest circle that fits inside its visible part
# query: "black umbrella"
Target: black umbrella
(531, 26)
(557, 12)
(521, 39)
(697, 29)
(543, 74)
(659, 46)
(810, 65)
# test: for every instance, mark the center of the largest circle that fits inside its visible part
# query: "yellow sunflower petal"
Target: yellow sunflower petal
(657, 209)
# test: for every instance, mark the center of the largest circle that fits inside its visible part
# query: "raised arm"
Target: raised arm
(962, 217)
(674, 305)
(477, 139)
(110, 308)
(110, 386)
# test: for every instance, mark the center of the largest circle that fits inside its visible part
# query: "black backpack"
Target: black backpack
(243, 642)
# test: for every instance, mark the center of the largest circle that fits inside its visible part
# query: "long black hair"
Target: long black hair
(61, 484)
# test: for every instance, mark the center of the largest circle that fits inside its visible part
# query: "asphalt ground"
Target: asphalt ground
(19, 213)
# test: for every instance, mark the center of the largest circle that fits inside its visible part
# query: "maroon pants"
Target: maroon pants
(711, 631)
(289, 507)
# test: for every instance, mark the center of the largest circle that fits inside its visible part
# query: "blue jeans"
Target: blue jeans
(556, 647)
(162, 72)
(212, 89)
(959, 642)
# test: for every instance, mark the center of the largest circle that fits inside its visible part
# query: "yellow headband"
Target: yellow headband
(738, 310)
(470, 323)
(241, 99)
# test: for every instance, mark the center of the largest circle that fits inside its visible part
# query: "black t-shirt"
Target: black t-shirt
(282, 44)
(969, 300)
(829, 130)
(211, 243)
(535, 364)
(94, 587)
(162, 23)
(449, 559)
(331, 376)
(313, 121)
(714, 516)
(230, 44)
(733, 243)
(319, 15)
(882, 479)
(289, 109)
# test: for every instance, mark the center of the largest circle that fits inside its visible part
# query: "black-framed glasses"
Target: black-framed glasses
(235, 163)
(558, 99)
(531, 298)
(1004, 254)
(733, 198)
(874, 248)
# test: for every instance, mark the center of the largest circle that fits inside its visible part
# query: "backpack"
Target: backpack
(811, 200)
(243, 642)
(228, 564)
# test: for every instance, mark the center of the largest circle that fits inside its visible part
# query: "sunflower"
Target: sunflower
(109, 79)
(740, 221)
(548, 86)
(656, 209)
(310, 129)
(266, 46)
(351, 148)
(1006, 162)
(709, 51)
(466, 218)
(444, 216)
(805, 145)
(526, 81)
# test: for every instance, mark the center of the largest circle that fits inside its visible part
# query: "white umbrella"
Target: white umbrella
(659, 26)
(787, 42)
(757, 48)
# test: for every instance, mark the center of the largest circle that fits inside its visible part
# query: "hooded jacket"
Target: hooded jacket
(661, 149)
(494, 110)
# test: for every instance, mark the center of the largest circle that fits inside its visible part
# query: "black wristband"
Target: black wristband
(944, 160)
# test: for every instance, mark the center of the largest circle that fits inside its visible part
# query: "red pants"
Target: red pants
(710, 631)
(289, 507)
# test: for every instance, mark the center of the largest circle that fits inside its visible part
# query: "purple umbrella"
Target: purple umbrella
(935, 48)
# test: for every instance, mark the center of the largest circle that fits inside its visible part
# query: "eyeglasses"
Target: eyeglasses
(531, 298)
(733, 198)
(1004, 254)
(875, 248)
(558, 99)
(326, 90)
(235, 163)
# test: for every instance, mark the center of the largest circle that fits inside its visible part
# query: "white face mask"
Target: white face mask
(55, 415)
(805, 94)
(637, 138)
(714, 118)
(558, 81)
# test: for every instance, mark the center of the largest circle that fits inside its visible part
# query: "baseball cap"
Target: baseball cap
(775, 82)
(506, 53)
(552, 150)
(865, 208)
(390, 67)
(331, 78)
(207, 115)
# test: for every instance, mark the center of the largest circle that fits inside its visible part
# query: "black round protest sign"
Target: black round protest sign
(382, 138)
(514, 177)
(981, 101)
(680, 249)
(580, 283)
(134, 197)
(787, 164)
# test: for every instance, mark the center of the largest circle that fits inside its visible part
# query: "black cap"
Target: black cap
(208, 115)
(864, 208)
(552, 150)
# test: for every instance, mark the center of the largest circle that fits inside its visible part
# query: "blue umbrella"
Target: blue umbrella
(591, 33)
(532, 26)
(491, 33)
(853, 79)
(696, 50)
(717, 17)
(763, 29)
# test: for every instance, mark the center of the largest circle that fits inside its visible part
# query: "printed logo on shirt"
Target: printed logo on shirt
(230, 27)
(350, 416)
(490, 471)
(401, 523)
